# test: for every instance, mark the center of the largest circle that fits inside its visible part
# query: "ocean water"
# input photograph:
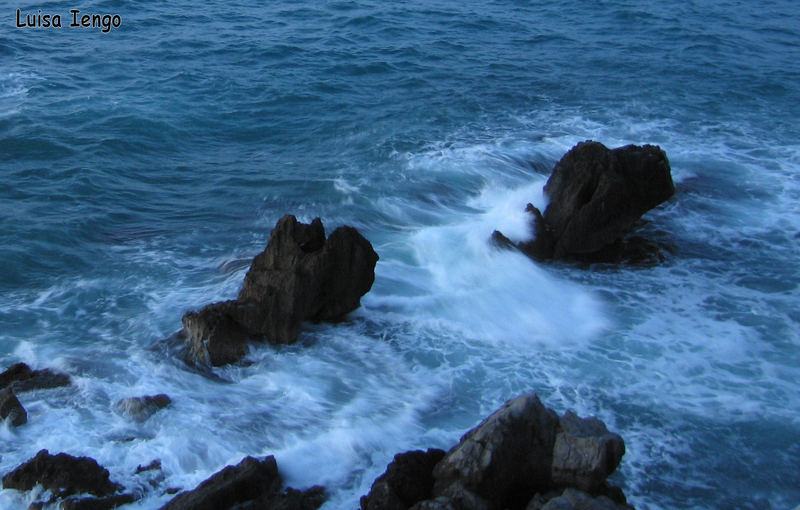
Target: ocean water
(143, 168)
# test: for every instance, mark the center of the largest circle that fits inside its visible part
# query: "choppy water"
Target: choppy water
(143, 168)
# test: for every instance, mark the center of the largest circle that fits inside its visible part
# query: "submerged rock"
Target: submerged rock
(11, 409)
(62, 474)
(253, 483)
(22, 378)
(522, 456)
(408, 479)
(596, 196)
(142, 408)
(300, 276)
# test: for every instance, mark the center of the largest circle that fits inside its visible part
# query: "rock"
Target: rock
(98, 503)
(142, 408)
(249, 480)
(11, 409)
(22, 378)
(155, 465)
(300, 276)
(506, 457)
(289, 499)
(573, 499)
(214, 336)
(596, 196)
(408, 479)
(585, 453)
(62, 474)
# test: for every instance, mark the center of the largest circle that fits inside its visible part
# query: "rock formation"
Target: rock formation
(11, 409)
(300, 276)
(63, 475)
(141, 408)
(596, 196)
(21, 378)
(251, 484)
(522, 456)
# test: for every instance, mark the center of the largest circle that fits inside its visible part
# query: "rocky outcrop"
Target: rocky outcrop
(300, 276)
(140, 409)
(596, 196)
(63, 475)
(11, 409)
(407, 480)
(21, 378)
(522, 456)
(253, 483)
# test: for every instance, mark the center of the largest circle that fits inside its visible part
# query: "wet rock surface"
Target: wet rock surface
(596, 196)
(300, 276)
(523, 456)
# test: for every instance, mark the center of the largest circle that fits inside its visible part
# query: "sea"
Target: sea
(143, 166)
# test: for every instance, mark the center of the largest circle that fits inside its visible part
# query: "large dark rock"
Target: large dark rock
(407, 480)
(22, 378)
(507, 457)
(585, 453)
(300, 276)
(11, 408)
(62, 474)
(247, 481)
(522, 456)
(252, 484)
(596, 196)
(141, 408)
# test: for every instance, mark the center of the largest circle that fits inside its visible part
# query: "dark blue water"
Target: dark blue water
(143, 168)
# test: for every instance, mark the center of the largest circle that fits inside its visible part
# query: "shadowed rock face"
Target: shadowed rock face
(252, 484)
(407, 480)
(596, 196)
(300, 276)
(62, 474)
(11, 408)
(21, 378)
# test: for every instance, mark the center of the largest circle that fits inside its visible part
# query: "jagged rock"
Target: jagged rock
(506, 457)
(98, 503)
(573, 499)
(596, 196)
(11, 409)
(300, 276)
(22, 378)
(585, 453)
(249, 480)
(62, 474)
(142, 408)
(407, 480)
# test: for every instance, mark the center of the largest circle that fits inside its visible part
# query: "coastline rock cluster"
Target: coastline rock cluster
(596, 196)
(523, 456)
(300, 276)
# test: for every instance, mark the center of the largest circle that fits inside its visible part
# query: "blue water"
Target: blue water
(143, 168)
